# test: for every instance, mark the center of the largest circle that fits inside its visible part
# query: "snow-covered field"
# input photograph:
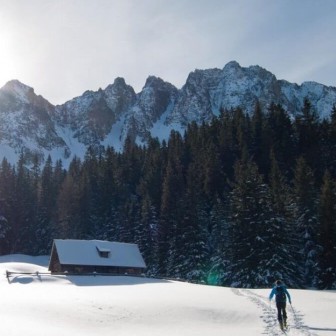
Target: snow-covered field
(45, 305)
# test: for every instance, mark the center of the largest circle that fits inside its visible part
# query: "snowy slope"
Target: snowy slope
(104, 305)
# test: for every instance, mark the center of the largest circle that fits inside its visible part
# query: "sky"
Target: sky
(62, 48)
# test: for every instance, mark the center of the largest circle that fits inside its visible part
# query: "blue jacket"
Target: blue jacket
(273, 292)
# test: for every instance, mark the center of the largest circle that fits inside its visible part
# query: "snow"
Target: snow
(42, 305)
(114, 138)
(84, 252)
(161, 130)
(20, 90)
(8, 153)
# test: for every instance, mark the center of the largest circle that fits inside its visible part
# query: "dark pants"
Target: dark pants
(282, 315)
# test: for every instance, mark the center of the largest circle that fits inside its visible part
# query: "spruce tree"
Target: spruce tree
(259, 247)
(173, 187)
(259, 150)
(219, 243)
(308, 135)
(327, 234)
(191, 253)
(280, 137)
(25, 210)
(305, 217)
(285, 234)
(68, 224)
(146, 234)
(7, 205)
(331, 141)
(45, 210)
(4, 228)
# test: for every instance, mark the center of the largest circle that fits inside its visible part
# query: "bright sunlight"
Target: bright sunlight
(8, 69)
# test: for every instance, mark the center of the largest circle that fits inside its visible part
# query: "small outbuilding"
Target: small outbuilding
(95, 256)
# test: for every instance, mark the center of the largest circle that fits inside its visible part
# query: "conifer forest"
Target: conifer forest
(241, 201)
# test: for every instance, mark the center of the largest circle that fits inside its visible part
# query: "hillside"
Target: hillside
(72, 306)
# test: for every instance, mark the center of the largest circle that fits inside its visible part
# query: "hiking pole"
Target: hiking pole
(293, 310)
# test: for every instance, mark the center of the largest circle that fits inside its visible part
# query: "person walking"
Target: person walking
(281, 294)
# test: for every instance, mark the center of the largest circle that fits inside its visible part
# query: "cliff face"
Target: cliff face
(29, 124)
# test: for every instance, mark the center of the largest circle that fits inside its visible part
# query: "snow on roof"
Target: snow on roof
(86, 252)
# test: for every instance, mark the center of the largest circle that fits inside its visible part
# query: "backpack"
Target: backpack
(280, 295)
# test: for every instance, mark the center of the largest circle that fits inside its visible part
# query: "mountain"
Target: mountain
(30, 125)
(26, 125)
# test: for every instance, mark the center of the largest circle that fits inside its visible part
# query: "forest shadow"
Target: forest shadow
(112, 280)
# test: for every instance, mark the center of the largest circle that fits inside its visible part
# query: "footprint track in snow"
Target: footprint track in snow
(269, 315)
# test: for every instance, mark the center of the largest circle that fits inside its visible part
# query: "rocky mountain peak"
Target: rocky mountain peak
(119, 82)
(106, 117)
(154, 81)
(15, 95)
(14, 89)
(234, 65)
(16, 86)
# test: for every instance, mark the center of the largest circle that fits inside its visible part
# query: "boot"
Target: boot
(281, 325)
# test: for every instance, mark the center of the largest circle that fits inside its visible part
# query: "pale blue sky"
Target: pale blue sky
(65, 47)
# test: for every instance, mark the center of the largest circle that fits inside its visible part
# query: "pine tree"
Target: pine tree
(279, 188)
(305, 217)
(92, 204)
(213, 177)
(259, 150)
(226, 143)
(25, 210)
(168, 219)
(327, 237)
(45, 210)
(69, 203)
(7, 206)
(285, 233)
(173, 187)
(146, 234)
(219, 243)
(280, 137)
(259, 245)
(241, 133)
(150, 182)
(331, 141)
(190, 251)
(4, 228)
(308, 134)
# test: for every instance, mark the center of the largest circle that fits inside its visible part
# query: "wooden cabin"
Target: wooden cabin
(95, 256)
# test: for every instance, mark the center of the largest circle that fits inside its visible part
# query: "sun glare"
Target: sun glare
(7, 59)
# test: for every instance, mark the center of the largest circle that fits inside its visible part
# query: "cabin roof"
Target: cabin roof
(97, 253)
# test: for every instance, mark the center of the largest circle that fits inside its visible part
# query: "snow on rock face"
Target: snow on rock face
(29, 123)
(20, 91)
(91, 116)
(119, 96)
(25, 122)
(194, 101)
(151, 103)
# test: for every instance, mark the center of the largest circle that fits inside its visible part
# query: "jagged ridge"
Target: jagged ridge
(30, 124)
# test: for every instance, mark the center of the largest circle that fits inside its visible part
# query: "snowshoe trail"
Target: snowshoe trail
(295, 321)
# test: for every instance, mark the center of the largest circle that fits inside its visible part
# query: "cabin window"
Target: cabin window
(103, 252)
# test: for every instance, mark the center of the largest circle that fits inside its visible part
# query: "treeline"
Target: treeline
(241, 201)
